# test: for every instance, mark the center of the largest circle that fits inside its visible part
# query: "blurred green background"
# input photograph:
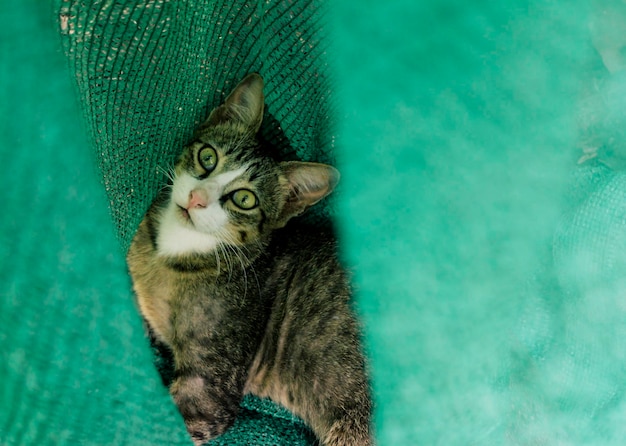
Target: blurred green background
(482, 206)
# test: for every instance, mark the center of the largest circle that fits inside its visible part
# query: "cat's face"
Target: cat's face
(225, 192)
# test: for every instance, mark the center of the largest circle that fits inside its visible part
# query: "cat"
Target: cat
(245, 299)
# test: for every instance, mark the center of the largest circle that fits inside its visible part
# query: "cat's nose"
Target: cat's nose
(197, 199)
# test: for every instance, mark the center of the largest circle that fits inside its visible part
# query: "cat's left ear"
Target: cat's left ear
(244, 105)
(306, 184)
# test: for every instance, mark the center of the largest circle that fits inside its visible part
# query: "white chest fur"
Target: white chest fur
(178, 238)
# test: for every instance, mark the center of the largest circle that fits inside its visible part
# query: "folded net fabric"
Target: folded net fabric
(144, 75)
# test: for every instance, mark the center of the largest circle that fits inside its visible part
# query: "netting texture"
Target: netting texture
(148, 72)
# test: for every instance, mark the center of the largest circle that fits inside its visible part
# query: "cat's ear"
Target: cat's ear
(244, 105)
(306, 184)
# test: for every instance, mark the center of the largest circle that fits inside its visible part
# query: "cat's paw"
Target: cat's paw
(205, 416)
(199, 430)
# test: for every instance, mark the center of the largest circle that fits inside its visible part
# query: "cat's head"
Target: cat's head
(226, 192)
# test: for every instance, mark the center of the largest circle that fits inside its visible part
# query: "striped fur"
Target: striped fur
(244, 298)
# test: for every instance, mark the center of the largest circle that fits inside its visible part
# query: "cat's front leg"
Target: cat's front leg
(207, 410)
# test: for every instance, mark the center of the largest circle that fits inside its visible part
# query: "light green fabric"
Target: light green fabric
(491, 266)
(74, 368)
(488, 264)
(149, 72)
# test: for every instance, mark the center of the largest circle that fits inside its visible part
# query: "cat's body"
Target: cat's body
(246, 302)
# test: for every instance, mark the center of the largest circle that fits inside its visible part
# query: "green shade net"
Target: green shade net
(489, 264)
(149, 73)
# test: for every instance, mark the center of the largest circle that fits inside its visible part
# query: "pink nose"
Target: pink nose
(197, 199)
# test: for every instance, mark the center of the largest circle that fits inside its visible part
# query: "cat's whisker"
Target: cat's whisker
(246, 255)
(256, 278)
(231, 254)
(169, 173)
(238, 255)
(240, 249)
(244, 259)
(166, 186)
(224, 247)
(217, 258)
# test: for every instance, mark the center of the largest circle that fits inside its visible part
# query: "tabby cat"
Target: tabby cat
(246, 300)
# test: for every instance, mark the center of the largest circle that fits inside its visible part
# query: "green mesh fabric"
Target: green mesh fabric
(72, 369)
(77, 369)
(489, 264)
(148, 72)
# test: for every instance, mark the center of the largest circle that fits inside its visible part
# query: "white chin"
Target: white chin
(176, 238)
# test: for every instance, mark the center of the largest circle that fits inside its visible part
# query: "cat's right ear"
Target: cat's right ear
(305, 184)
(244, 105)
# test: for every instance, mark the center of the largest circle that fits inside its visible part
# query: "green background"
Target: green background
(489, 263)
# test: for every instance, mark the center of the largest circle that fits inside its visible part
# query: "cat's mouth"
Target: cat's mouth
(185, 214)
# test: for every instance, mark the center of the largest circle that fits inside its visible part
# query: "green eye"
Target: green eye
(207, 156)
(244, 199)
